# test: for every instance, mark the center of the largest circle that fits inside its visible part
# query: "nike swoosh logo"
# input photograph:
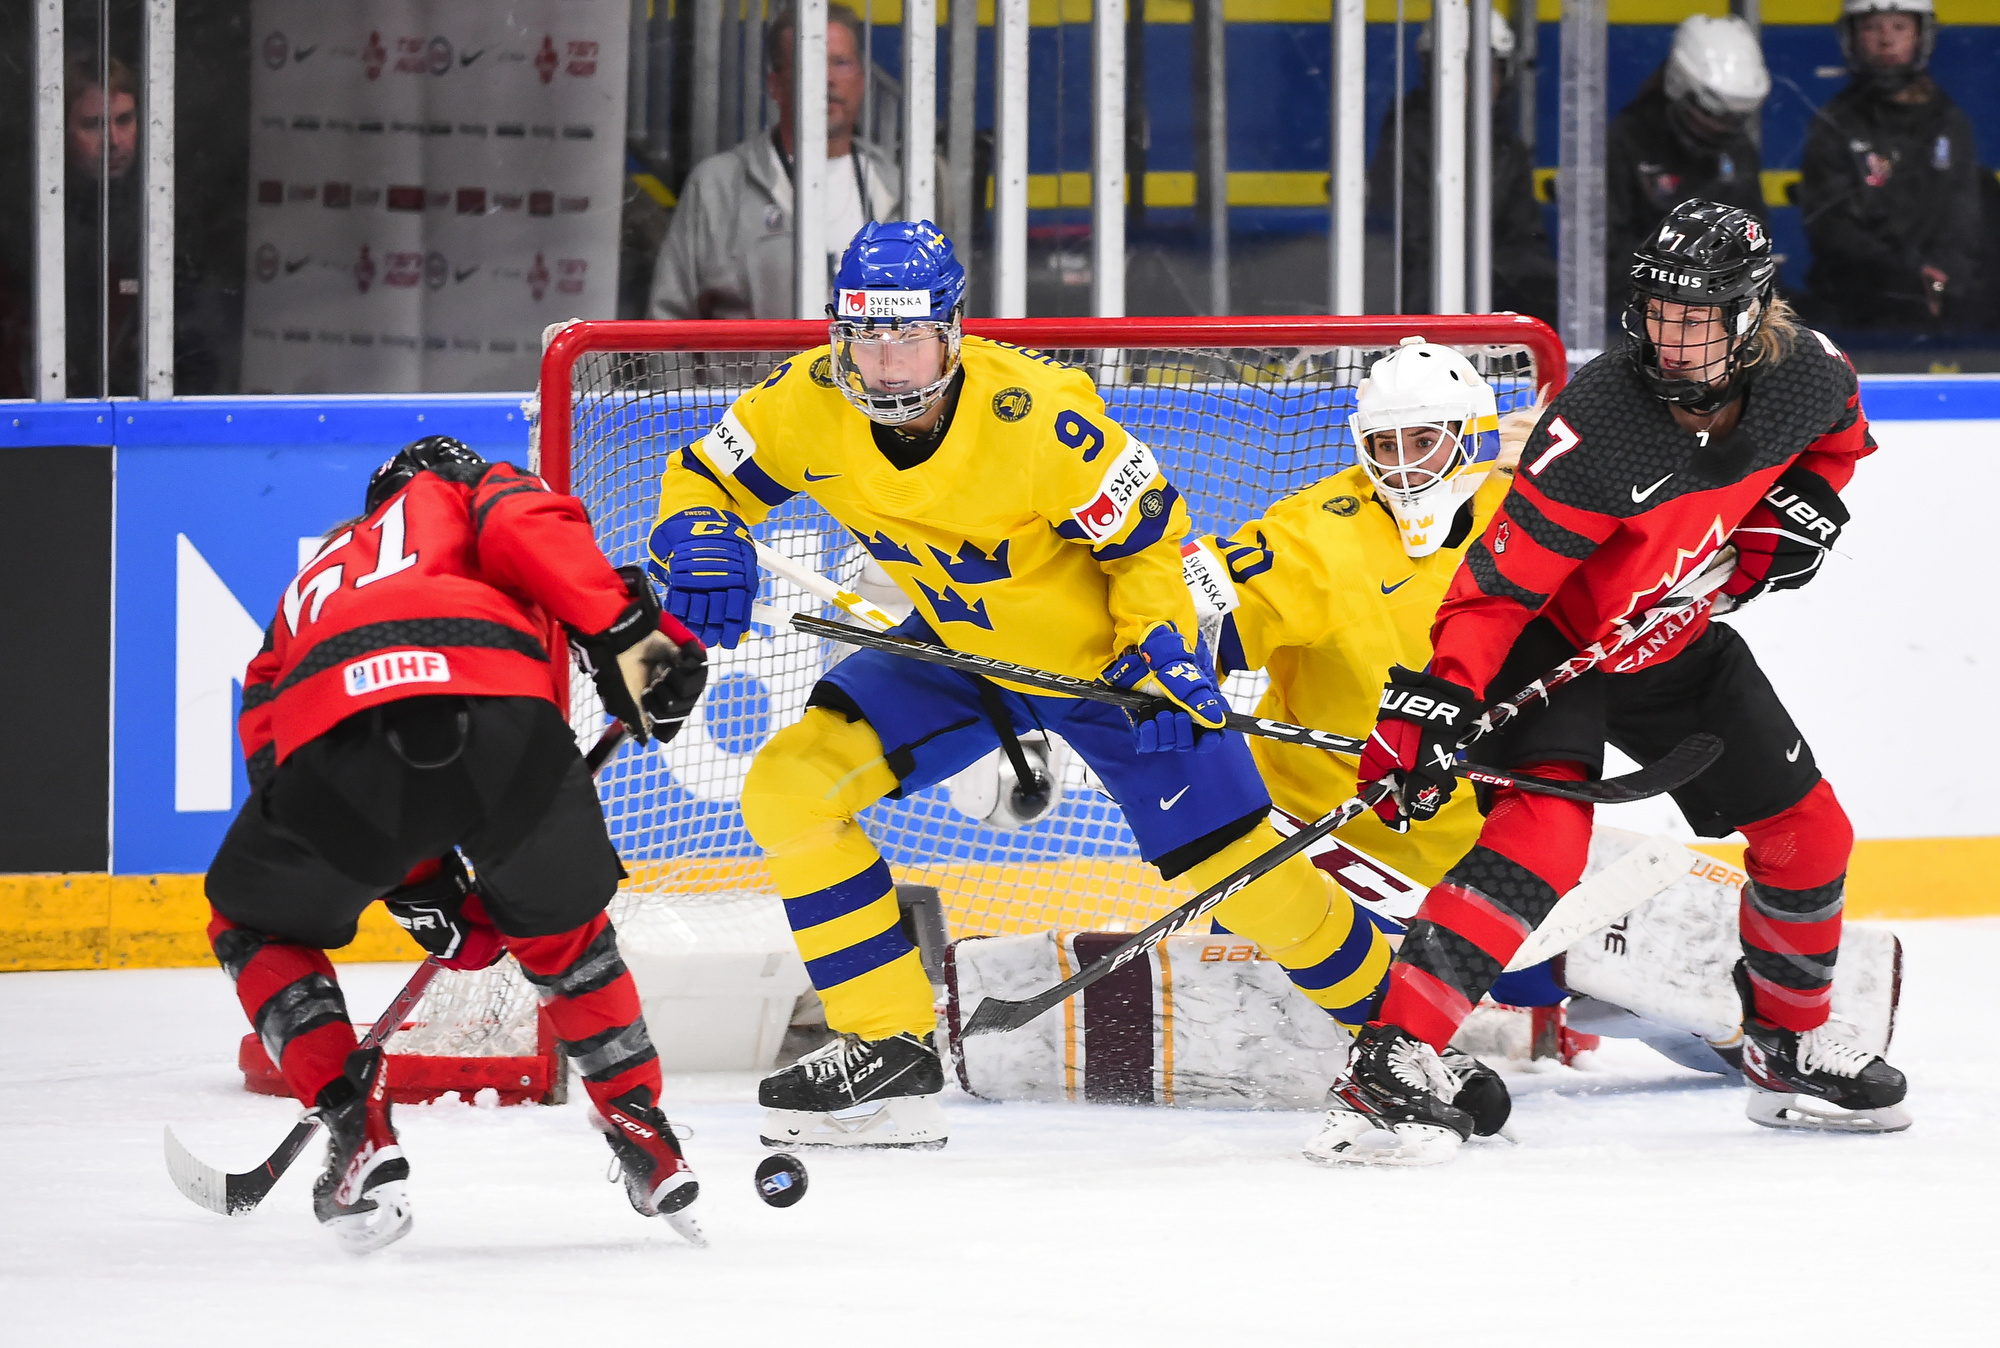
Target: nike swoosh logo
(303, 52)
(467, 58)
(1793, 756)
(1639, 496)
(811, 476)
(1387, 588)
(1168, 802)
(292, 265)
(460, 273)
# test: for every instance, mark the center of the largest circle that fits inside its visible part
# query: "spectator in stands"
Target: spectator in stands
(101, 144)
(1524, 267)
(728, 250)
(1689, 133)
(1889, 192)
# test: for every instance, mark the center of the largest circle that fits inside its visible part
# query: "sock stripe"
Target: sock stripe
(1464, 910)
(838, 900)
(1424, 1005)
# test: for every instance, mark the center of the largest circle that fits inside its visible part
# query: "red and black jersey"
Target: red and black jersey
(1614, 502)
(448, 587)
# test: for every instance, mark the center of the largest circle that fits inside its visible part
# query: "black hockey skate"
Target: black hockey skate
(1391, 1105)
(658, 1180)
(858, 1092)
(1481, 1092)
(1817, 1079)
(363, 1196)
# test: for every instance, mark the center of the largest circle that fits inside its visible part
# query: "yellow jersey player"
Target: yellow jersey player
(1023, 523)
(1341, 580)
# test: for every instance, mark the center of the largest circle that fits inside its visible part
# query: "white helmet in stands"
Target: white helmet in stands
(1716, 79)
(1427, 430)
(1887, 78)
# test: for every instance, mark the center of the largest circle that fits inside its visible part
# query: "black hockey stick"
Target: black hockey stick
(229, 1194)
(1615, 791)
(1682, 764)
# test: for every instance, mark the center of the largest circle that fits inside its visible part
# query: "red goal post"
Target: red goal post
(1240, 412)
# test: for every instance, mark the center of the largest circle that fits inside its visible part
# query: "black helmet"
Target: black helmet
(454, 458)
(1705, 254)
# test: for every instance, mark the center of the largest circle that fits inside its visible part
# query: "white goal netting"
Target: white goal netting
(1235, 427)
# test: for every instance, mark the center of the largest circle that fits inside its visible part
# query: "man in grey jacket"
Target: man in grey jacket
(728, 251)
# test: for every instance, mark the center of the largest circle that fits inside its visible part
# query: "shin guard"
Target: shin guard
(593, 1004)
(1791, 912)
(293, 1002)
(1531, 852)
(800, 801)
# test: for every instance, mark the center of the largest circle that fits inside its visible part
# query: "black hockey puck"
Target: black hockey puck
(781, 1180)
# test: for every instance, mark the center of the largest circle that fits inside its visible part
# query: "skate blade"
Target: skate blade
(913, 1122)
(689, 1229)
(362, 1233)
(1361, 1142)
(1805, 1113)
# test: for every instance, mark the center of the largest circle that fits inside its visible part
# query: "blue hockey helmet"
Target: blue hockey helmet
(897, 300)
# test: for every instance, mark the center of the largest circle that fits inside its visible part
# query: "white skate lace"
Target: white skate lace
(1417, 1066)
(1830, 1048)
(832, 1060)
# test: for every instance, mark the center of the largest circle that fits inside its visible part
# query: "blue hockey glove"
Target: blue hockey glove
(1192, 709)
(706, 560)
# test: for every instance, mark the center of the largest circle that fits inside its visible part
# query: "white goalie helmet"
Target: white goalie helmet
(1427, 431)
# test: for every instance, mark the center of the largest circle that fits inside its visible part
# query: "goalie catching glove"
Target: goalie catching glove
(437, 905)
(1192, 709)
(649, 669)
(1414, 745)
(1782, 541)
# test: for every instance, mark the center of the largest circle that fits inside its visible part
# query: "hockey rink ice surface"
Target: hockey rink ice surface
(1639, 1207)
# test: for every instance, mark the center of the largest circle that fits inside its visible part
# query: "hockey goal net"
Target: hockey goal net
(1240, 412)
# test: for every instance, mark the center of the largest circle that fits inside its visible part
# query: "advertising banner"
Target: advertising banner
(432, 182)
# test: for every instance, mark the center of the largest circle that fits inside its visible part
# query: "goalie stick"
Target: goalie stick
(230, 1194)
(1682, 764)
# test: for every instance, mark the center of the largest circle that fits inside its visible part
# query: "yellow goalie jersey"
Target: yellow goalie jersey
(1038, 531)
(1325, 601)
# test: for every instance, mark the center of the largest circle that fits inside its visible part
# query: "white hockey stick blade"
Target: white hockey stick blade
(1602, 899)
(200, 1182)
(813, 583)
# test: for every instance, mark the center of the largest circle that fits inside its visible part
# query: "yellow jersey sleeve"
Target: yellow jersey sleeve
(746, 462)
(1285, 594)
(1101, 488)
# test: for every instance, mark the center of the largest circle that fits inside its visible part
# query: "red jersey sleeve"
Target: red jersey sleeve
(253, 725)
(539, 544)
(1847, 441)
(1528, 550)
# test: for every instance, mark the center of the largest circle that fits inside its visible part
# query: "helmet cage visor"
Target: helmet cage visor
(894, 371)
(1422, 461)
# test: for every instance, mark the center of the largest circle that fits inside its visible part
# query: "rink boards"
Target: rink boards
(213, 497)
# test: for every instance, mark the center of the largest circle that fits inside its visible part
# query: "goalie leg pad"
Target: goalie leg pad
(1326, 946)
